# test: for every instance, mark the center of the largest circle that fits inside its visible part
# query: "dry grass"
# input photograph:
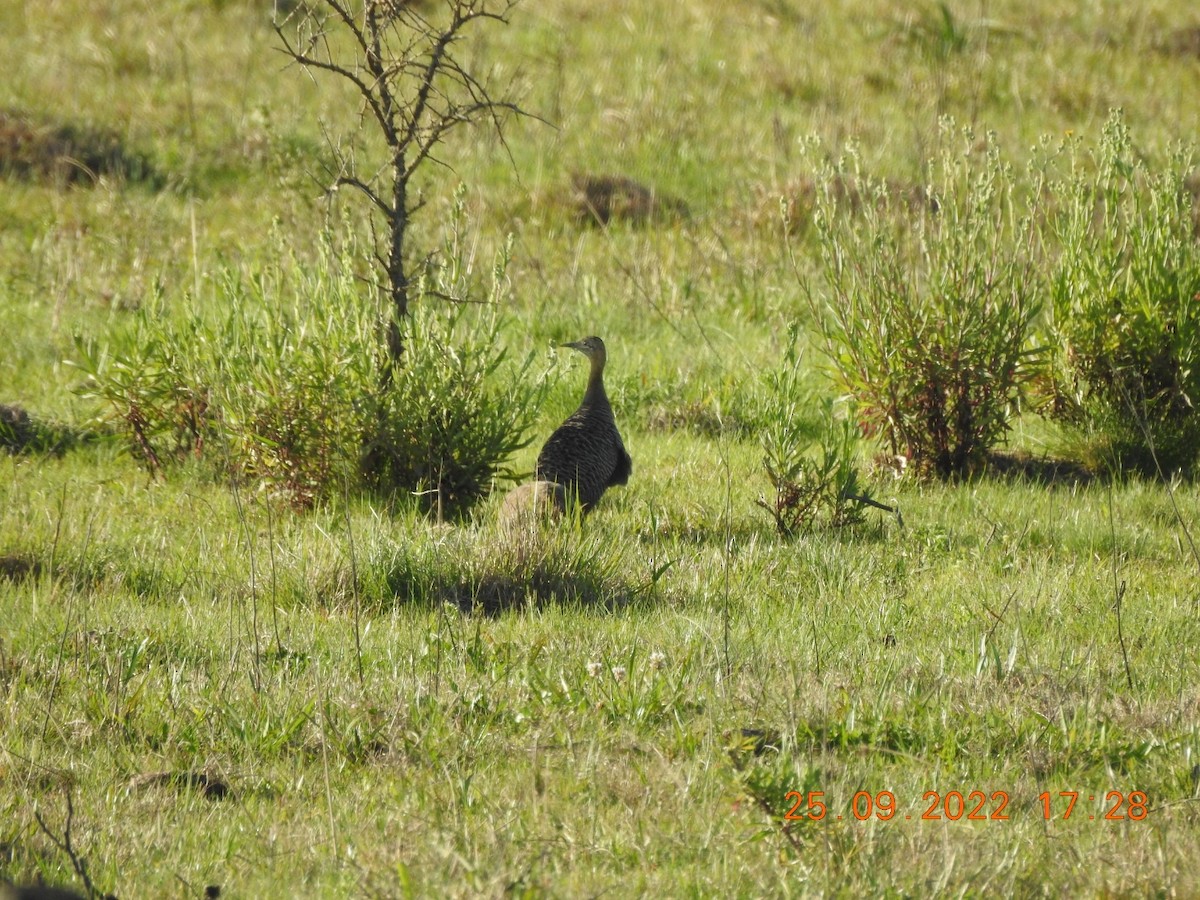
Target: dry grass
(793, 203)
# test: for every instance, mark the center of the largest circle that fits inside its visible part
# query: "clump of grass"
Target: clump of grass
(551, 563)
(808, 487)
(487, 569)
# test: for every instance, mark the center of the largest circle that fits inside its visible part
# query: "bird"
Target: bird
(585, 454)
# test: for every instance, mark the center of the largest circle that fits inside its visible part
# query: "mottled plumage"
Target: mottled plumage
(586, 455)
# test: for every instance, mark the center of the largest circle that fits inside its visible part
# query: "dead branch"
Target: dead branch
(402, 65)
(64, 844)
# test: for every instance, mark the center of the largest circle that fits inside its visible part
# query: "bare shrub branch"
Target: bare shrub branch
(402, 63)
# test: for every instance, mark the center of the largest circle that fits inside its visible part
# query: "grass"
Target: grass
(398, 707)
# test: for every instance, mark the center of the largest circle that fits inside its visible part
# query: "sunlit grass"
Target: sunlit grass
(402, 707)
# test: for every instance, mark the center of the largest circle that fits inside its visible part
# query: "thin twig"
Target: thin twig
(274, 585)
(728, 548)
(243, 521)
(1118, 590)
(784, 829)
(354, 584)
(62, 643)
(64, 844)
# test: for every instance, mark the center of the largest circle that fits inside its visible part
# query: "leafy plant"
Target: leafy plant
(454, 410)
(1125, 307)
(807, 486)
(937, 32)
(926, 315)
(140, 381)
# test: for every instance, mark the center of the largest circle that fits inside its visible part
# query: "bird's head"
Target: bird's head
(591, 347)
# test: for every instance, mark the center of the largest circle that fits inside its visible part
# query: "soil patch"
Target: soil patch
(601, 199)
(61, 153)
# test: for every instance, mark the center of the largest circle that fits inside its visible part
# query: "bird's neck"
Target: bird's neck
(595, 386)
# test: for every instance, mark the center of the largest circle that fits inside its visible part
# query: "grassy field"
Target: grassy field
(231, 692)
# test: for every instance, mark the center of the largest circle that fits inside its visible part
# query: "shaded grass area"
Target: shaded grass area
(22, 433)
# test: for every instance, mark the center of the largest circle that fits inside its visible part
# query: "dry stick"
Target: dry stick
(255, 673)
(641, 289)
(62, 508)
(437, 664)
(62, 503)
(816, 647)
(64, 844)
(274, 588)
(333, 834)
(87, 540)
(354, 581)
(728, 548)
(784, 828)
(1118, 590)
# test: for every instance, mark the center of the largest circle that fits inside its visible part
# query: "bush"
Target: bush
(926, 313)
(454, 413)
(1125, 311)
(293, 389)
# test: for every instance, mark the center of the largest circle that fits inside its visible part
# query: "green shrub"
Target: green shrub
(454, 409)
(1125, 311)
(291, 386)
(454, 412)
(926, 314)
(266, 380)
(140, 379)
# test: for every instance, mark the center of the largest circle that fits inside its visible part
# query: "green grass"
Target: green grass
(400, 707)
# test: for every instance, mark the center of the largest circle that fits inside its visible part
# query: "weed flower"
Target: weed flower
(619, 673)
(594, 669)
(657, 660)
